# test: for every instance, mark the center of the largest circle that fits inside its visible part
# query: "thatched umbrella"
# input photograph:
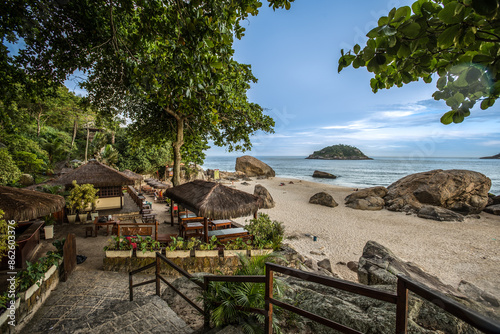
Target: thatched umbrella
(159, 185)
(21, 204)
(214, 200)
(96, 173)
(132, 175)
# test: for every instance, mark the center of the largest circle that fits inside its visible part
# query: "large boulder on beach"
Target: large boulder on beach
(324, 199)
(265, 196)
(253, 167)
(367, 199)
(493, 209)
(461, 191)
(439, 214)
(323, 175)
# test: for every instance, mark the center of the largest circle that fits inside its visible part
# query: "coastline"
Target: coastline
(452, 251)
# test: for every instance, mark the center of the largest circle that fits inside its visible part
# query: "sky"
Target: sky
(294, 54)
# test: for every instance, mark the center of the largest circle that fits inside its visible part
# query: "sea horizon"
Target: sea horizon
(381, 171)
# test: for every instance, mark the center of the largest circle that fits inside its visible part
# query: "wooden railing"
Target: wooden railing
(400, 298)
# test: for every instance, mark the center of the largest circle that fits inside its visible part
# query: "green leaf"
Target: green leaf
(441, 83)
(458, 117)
(411, 30)
(416, 8)
(402, 13)
(383, 21)
(216, 65)
(487, 103)
(448, 13)
(356, 48)
(482, 58)
(448, 117)
(469, 38)
(447, 37)
(287, 5)
(404, 51)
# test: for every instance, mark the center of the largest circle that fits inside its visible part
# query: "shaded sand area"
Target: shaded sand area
(453, 251)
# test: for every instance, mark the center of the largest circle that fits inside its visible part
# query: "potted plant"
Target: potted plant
(207, 249)
(147, 247)
(179, 247)
(49, 226)
(80, 198)
(237, 246)
(119, 247)
(73, 202)
(268, 234)
(94, 213)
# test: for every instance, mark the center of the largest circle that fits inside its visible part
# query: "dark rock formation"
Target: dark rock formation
(324, 199)
(325, 264)
(493, 209)
(339, 152)
(492, 157)
(462, 191)
(367, 199)
(253, 167)
(440, 214)
(263, 193)
(323, 175)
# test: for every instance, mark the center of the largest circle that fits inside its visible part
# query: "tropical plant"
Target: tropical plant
(52, 189)
(49, 220)
(266, 233)
(81, 197)
(211, 245)
(225, 299)
(120, 243)
(147, 244)
(32, 274)
(238, 244)
(182, 244)
(458, 40)
(59, 245)
(9, 172)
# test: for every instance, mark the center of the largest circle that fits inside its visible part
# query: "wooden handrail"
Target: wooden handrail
(451, 306)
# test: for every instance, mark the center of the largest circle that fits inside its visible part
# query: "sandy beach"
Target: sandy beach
(453, 251)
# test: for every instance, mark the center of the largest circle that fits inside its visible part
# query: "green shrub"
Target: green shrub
(267, 233)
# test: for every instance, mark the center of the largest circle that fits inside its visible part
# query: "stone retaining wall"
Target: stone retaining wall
(214, 265)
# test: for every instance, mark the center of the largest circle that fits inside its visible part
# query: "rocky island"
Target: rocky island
(339, 152)
(492, 157)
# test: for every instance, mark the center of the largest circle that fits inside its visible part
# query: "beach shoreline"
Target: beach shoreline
(452, 251)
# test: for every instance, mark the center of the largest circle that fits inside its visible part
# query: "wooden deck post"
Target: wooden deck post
(401, 308)
(158, 266)
(268, 325)
(205, 228)
(171, 212)
(206, 312)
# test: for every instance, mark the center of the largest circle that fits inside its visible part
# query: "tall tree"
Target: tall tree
(176, 76)
(458, 40)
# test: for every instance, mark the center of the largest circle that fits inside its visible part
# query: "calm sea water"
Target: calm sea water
(381, 171)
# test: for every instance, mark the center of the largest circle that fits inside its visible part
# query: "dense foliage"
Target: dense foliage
(458, 40)
(267, 233)
(339, 151)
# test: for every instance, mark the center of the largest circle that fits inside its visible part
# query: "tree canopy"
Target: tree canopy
(458, 40)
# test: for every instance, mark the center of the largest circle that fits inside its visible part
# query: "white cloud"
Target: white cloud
(396, 114)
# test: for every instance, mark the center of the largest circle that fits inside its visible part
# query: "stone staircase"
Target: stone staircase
(149, 314)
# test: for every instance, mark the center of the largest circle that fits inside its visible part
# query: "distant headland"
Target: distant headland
(339, 152)
(492, 157)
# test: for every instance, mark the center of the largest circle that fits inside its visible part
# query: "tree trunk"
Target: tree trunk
(87, 144)
(75, 127)
(177, 144)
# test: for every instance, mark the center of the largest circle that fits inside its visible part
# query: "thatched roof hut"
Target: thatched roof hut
(96, 173)
(21, 204)
(134, 176)
(214, 200)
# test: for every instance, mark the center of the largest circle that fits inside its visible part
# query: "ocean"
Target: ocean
(382, 171)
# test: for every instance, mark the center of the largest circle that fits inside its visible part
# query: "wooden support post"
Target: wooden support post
(206, 311)
(401, 308)
(131, 289)
(268, 325)
(205, 228)
(171, 212)
(255, 215)
(158, 266)
(156, 230)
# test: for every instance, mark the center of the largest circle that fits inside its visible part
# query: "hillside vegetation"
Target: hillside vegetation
(339, 152)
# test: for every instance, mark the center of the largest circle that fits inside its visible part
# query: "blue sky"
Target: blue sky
(294, 55)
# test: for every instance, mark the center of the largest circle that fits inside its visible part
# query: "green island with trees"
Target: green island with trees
(339, 152)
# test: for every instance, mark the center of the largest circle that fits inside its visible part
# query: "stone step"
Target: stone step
(149, 314)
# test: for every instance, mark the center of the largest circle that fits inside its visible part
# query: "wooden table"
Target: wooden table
(149, 217)
(221, 223)
(195, 226)
(107, 223)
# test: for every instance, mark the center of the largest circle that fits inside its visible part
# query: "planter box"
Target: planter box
(31, 290)
(71, 218)
(94, 215)
(119, 253)
(206, 253)
(232, 252)
(139, 253)
(178, 253)
(49, 272)
(5, 315)
(258, 252)
(49, 231)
